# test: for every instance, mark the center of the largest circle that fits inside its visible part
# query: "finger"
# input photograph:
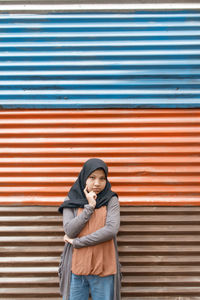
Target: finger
(94, 195)
(86, 188)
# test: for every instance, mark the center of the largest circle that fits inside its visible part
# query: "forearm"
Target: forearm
(74, 224)
(107, 232)
(100, 236)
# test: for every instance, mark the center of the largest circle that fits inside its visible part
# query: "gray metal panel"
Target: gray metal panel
(100, 60)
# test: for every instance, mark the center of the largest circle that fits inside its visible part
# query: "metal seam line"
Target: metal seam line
(97, 7)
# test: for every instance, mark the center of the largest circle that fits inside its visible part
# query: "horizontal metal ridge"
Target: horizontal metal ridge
(98, 151)
(99, 140)
(61, 181)
(172, 42)
(104, 92)
(104, 53)
(105, 63)
(114, 27)
(14, 280)
(101, 73)
(18, 131)
(100, 82)
(160, 200)
(100, 7)
(111, 22)
(113, 161)
(123, 190)
(100, 113)
(98, 117)
(137, 113)
(108, 16)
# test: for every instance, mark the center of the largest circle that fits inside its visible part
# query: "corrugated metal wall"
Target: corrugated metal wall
(153, 155)
(158, 248)
(140, 59)
(89, 60)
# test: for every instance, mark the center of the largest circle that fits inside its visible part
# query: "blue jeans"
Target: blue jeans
(101, 288)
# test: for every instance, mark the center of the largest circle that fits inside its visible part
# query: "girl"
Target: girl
(91, 219)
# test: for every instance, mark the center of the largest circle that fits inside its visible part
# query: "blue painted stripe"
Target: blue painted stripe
(100, 74)
(88, 60)
(127, 103)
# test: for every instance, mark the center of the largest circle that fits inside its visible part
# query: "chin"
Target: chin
(97, 192)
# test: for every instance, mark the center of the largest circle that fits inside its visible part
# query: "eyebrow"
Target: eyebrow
(102, 176)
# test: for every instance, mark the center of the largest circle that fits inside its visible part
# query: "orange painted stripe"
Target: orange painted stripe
(153, 155)
(113, 161)
(134, 180)
(101, 151)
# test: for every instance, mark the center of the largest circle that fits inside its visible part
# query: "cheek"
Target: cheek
(103, 185)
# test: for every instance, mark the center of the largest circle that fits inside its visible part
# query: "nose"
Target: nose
(97, 182)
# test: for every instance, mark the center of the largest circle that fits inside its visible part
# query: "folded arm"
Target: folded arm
(74, 224)
(107, 232)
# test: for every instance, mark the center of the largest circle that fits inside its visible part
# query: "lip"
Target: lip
(96, 190)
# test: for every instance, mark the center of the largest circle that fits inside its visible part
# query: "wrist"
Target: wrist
(92, 205)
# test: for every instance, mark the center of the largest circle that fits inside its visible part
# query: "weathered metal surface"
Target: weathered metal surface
(158, 246)
(93, 6)
(153, 155)
(142, 59)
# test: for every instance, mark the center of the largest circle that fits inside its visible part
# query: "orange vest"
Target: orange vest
(94, 260)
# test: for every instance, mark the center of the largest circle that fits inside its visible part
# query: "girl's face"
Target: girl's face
(96, 181)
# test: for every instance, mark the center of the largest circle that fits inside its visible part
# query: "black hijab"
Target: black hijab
(76, 197)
